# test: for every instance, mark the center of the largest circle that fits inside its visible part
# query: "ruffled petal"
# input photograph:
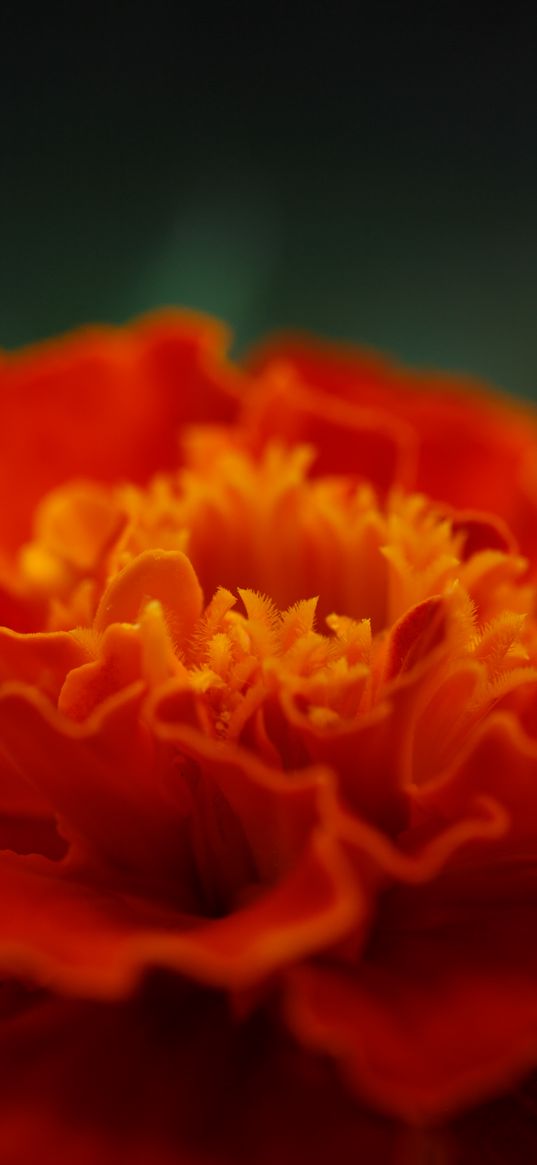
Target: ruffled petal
(443, 1009)
(500, 762)
(171, 1078)
(166, 576)
(107, 404)
(42, 659)
(494, 438)
(200, 827)
(365, 441)
(98, 775)
(91, 940)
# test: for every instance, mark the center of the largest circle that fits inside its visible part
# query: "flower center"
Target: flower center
(410, 600)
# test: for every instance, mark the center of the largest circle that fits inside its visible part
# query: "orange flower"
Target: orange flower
(268, 752)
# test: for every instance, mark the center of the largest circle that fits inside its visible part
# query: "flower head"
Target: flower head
(268, 720)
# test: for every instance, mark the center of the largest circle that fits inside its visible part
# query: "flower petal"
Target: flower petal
(98, 776)
(167, 576)
(501, 761)
(43, 659)
(493, 436)
(348, 438)
(443, 1010)
(107, 404)
(75, 1085)
(86, 940)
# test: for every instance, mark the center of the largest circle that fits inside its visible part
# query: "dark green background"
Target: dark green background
(374, 182)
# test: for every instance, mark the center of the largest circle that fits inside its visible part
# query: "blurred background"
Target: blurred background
(369, 177)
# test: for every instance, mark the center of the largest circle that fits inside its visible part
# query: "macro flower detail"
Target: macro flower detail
(268, 734)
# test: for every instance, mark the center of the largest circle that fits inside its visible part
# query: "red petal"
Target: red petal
(414, 636)
(106, 404)
(85, 940)
(171, 1079)
(500, 762)
(114, 800)
(482, 532)
(348, 438)
(443, 1010)
(367, 756)
(278, 811)
(42, 659)
(98, 776)
(494, 438)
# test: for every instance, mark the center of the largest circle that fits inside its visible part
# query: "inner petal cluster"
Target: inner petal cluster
(288, 610)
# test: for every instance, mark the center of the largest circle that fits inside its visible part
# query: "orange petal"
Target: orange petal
(118, 666)
(78, 523)
(167, 576)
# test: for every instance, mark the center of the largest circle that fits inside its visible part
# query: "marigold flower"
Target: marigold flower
(268, 752)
